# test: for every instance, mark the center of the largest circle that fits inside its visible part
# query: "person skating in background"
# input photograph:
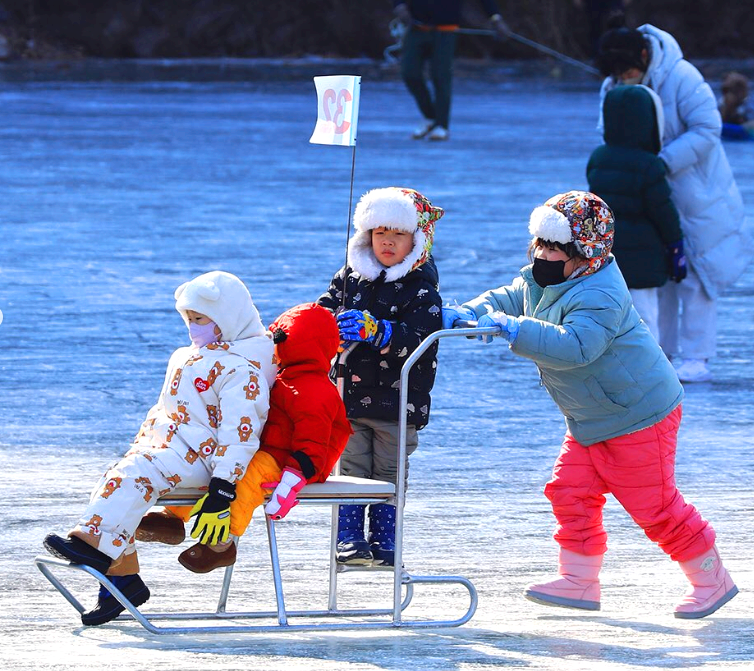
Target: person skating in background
(570, 312)
(304, 435)
(430, 37)
(628, 175)
(718, 244)
(202, 432)
(392, 303)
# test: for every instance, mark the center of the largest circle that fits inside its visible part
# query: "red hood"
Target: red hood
(311, 337)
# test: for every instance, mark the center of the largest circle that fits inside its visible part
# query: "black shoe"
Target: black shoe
(108, 607)
(76, 551)
(383, 553)
(355, 553)
(382, 532)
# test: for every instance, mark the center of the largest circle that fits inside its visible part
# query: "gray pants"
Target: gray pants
(372, 451)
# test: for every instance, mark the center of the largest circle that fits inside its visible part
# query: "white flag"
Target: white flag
(337, 110)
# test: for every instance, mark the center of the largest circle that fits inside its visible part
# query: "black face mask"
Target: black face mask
(547, 273)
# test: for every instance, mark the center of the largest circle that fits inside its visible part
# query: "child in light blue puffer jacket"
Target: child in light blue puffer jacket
(571, 313)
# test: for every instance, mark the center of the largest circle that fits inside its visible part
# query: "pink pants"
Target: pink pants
(638, 469)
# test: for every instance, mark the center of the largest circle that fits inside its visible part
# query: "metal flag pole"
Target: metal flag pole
(348, 227)
(338, 98)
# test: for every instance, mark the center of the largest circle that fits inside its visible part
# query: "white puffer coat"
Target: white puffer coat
(718, 238)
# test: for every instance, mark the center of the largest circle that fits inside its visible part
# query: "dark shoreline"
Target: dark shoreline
(282, 69)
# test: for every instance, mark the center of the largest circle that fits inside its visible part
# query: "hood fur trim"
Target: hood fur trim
(362, 259)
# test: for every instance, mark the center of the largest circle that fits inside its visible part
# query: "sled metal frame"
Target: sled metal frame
(338, 490)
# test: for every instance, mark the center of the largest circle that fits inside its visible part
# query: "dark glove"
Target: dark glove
(358, 326)
(677, 261)
(212, 523)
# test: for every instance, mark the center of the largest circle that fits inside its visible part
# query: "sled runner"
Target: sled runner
(336, 491)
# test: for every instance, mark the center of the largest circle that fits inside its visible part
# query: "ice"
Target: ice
(115, 191)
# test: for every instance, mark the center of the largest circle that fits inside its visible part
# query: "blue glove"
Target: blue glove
(358, 326)
(677, 261)
(453, 313)
(508, 326)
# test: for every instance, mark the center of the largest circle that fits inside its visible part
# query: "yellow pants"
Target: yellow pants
(249, 493)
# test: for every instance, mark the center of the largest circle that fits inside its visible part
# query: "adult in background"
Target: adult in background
(598, 13)
(718, 245)
(432, 27)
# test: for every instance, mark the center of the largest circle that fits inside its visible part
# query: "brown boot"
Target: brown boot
(161, 528)
(200, 558)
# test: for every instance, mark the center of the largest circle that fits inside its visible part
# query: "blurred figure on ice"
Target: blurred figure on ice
(391, 304)
(598, 13)
(304, 435)
(202, 432)
(736, 107)
(430, 37)
(570, 312)
(628, 175)
(718, 244)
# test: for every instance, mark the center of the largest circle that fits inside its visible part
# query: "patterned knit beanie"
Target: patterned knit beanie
(579, 217)
(396, 208)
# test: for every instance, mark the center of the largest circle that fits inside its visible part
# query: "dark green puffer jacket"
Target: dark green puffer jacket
(629, 176)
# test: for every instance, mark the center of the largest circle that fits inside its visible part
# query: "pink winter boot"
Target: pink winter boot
(578, 586)
(711, 586)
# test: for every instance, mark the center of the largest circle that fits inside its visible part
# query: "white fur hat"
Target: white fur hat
(549, 224)
(391, 207)
(225, 300)
(397, 208)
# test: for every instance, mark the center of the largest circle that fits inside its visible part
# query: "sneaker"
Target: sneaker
(693, 370)
(383, 554)
(76, 551)
(438, 133)
(424, 130)
(108, 607)
(382, 533)
(202, 559)
(355, 553)
(161, 528)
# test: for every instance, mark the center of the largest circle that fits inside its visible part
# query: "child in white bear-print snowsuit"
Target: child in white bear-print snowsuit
(202, 432)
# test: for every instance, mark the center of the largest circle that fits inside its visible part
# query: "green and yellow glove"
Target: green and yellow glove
(212, 512)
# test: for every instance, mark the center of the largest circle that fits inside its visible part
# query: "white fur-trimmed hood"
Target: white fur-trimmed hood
(225, 300)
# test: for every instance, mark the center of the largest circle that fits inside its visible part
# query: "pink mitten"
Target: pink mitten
(283, 499)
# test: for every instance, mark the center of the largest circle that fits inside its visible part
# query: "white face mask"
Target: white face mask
(202, 334)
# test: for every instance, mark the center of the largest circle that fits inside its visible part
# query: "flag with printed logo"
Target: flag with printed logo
(337, 110)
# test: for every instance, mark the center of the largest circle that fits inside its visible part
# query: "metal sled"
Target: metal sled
(336, 491)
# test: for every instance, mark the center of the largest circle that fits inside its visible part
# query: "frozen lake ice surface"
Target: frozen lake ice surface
(118, 189)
